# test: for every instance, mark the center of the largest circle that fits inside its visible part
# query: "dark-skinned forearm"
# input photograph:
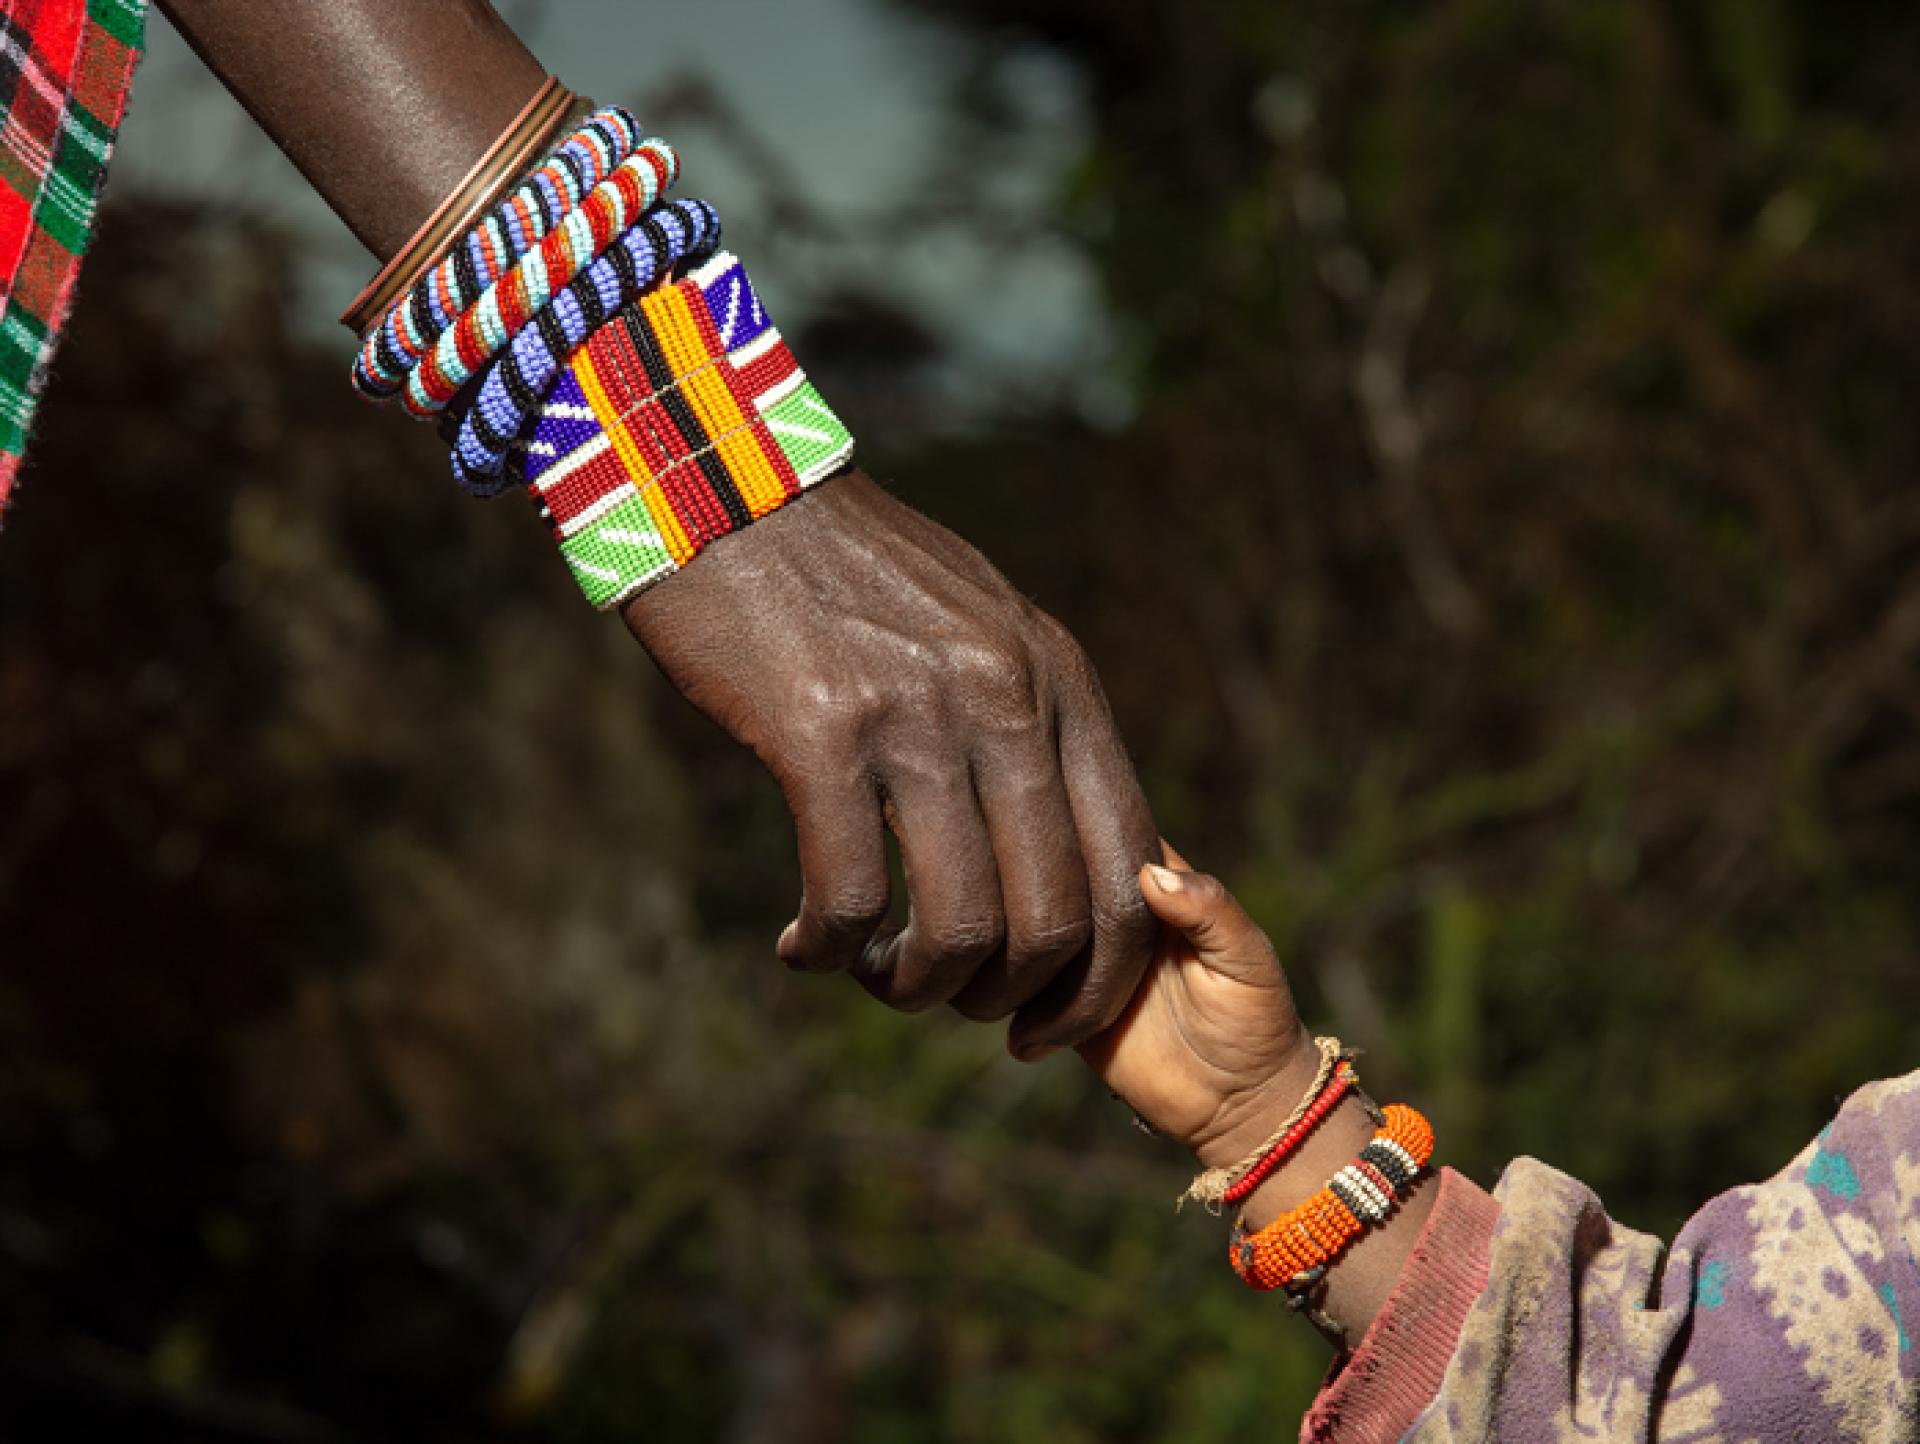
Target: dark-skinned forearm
(384, 105)
(903, 674)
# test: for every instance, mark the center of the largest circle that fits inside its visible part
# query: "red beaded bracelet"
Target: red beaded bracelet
(1283, 1147)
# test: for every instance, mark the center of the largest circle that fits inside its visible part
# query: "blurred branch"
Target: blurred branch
(1396, 436)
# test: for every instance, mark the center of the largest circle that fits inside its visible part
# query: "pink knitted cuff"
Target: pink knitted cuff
(1396, 1371)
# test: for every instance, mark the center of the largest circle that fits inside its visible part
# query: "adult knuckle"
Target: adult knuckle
(913, 697)
(852, 910)
(964, 938)
(813, 729)
(1116, 900)
(1047, 942)
(1062, 648)
(994, 661)
(828, 708)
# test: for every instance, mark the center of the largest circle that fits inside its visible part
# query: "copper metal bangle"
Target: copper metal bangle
(529, 136)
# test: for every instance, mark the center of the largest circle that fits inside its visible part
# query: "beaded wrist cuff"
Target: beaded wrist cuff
(683, 419)
(1297, 1247)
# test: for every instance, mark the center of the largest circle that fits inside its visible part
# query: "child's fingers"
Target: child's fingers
(1206, 914)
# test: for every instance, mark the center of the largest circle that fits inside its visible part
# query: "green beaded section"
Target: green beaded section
(813, 438)
(618, 553)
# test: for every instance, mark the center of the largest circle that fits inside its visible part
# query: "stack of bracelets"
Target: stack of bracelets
(1295, 1251)
(614, 361)
(608, 356)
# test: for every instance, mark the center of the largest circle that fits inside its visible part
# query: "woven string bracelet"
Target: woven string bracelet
(486, 327)
(1343, 1081)
(683, 419)
(513, 227)
(1362, 1195)
(683, 231)
(1217, 1186)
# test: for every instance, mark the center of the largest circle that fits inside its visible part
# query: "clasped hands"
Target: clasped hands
(891, 678)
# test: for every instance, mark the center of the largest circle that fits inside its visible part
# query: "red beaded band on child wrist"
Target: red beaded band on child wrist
(1218, 1186)
(1284, 1147)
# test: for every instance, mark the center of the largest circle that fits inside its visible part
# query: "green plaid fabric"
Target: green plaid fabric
(65, 69)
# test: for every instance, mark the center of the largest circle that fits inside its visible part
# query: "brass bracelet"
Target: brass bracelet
(509, 157)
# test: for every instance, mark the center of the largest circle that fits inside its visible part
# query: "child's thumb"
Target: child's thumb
(1206, 914)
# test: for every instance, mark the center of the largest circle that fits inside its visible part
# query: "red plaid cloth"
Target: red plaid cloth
(65, 68)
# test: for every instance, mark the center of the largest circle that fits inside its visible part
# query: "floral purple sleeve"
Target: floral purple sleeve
(1784, 1310)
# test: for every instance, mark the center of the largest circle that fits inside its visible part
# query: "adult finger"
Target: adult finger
(954, 920)
(844, 889)
(1116, 836)
(1043, 877)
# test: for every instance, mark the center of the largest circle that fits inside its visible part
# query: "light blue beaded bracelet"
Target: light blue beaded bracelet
(515, 386)
(512, 228)
(491, 323)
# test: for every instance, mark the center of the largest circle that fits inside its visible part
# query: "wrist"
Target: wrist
(1364, 1274)
(1246, 1117)
(1330, 1147)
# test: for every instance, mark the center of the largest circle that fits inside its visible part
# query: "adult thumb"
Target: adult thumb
(1200, 908)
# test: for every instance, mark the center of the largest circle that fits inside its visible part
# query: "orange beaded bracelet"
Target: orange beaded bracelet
(1300, 1244)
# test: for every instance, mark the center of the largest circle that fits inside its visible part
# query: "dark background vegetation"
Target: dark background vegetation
(1505, 565)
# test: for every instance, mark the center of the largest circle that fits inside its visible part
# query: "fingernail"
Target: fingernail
(1165, 878)
(791, 931)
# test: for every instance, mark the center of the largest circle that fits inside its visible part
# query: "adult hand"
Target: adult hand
(889, 676)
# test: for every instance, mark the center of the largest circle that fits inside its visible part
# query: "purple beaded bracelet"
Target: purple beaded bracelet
(511, 229)
(515, 384)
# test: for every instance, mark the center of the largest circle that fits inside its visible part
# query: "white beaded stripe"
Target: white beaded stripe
(714, 269)
(780, 391)
(1398, 1152)
(757, 347)
(1364, 1187)
(575, 459)
(1373, 1189)
(617, 497)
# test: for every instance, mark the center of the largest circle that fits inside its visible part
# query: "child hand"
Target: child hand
(1211, 1051)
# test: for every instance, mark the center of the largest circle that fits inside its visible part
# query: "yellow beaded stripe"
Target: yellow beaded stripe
(682, 419)
(628, 450)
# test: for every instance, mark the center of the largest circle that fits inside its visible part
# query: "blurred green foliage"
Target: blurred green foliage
(1507, 574)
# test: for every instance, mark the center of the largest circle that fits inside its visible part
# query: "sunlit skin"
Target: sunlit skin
(1211, 1042)
(1213, 1054)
